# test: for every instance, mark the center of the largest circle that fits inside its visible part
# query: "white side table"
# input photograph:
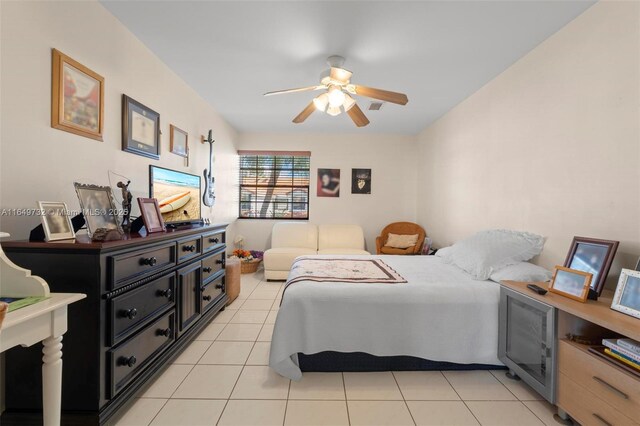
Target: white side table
(44, 322)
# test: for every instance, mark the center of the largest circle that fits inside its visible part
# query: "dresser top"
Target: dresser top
(83, 242)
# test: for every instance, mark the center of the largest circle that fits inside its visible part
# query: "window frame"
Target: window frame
(293, 201)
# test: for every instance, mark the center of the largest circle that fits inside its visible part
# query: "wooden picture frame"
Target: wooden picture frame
(571, 283)
(592, 255)
(627, 296)
(179, 141)
(151, 216)
(140, 129)
(77, 97)
(59, 229)
(98, 207)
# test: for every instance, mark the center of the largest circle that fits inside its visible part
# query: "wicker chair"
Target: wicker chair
(400, 228)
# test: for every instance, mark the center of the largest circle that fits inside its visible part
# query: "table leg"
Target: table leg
(51, 380)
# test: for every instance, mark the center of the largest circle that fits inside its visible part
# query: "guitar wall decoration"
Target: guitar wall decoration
(209, 196)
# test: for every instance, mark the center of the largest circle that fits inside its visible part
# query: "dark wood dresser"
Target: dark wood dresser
(147, 297)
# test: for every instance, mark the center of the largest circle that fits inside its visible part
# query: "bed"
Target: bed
(440, 318)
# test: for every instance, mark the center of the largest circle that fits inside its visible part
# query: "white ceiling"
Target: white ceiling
(438, 53)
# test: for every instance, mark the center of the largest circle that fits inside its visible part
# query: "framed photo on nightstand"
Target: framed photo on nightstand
(571, 283)
(627, 296)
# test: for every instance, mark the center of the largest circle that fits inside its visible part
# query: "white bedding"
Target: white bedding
(440, 314)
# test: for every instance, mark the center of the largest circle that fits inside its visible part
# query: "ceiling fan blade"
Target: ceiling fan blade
(358, 116)
(299, 89)
(340, 74)
(383, 95)
(305, 113)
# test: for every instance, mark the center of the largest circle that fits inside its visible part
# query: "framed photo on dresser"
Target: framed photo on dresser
(98, 207)
(56, 221)
(151, 215)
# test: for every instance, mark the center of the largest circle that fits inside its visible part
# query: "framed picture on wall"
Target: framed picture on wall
(77, 97)
(361, 181)
(179, 141)
(328, 184)
(140, 129)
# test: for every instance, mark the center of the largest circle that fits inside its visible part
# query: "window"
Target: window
(274, 185)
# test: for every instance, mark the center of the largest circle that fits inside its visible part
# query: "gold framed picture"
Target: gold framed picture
(179, 141)
(77, 97)
(571, 283)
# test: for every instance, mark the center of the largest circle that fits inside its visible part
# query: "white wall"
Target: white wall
(551, 146)
(393, 188)
(41, 163)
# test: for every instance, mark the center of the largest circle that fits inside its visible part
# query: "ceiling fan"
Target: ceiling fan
(336, 82)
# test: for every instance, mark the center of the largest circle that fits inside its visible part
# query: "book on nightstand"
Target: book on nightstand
(630, 345)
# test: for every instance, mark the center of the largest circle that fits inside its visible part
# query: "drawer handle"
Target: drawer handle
(189, 248)
(219, 261)
(165, 293)
(220, 285)
(130, 362)
(206, 298)
(213, 240)
(604, 422)
(130, 313)
(151, 261)
(207, 269)
(611, 388)
(166, 332)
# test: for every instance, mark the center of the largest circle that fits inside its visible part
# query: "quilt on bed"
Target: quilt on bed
(352, 270)
(440, 313)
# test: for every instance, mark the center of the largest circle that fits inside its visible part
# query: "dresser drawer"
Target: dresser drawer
(212, 241)
(607, 382)
(136, 306)
(587, 408)
(188, 249)
(212, 265)
(211, 292)
(131, 357)
(134, 265)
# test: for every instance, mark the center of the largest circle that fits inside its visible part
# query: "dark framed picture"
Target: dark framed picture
(594, 256)
(571, 283)
(627, 296)
(179, 141)
(56, 221)
(328, 183)
(77, 97)
(140, 129)
(151, 215)
(98, 207)
(361, 181)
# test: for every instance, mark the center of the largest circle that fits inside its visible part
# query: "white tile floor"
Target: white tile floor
(222, 378)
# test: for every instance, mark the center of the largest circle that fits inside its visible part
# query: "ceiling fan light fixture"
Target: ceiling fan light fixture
(321, 102)
(336, 96)
(333, 111)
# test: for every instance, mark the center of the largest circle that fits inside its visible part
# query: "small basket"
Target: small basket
(249, 267)
(4, 307)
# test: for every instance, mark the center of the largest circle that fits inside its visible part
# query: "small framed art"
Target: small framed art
(594, 256)
(179, 141)
(571, 283)
(140, 129)
(328, 183)
(77, 97)
(361, 181)
(56, 221)
(627, 296)
(151, 215)
(98, 207)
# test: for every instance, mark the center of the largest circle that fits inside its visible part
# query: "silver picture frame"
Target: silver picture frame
(98, 207)
(627, 296)
(56, 221)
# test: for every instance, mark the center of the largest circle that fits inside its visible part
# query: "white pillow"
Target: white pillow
(443, 251)
(523, 271)
(488, 251)
(401, 241)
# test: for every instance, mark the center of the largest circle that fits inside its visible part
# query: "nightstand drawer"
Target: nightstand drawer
(608, 383)
(586, 407)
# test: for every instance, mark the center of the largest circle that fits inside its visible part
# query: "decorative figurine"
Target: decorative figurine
(126, 206)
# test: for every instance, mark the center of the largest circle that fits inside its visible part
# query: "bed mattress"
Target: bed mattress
(439, 314)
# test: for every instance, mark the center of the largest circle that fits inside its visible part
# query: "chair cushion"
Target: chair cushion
(340, 237)
(294, 234)
(401, 241)
(342, 251)
(393, 250)
(281, 259)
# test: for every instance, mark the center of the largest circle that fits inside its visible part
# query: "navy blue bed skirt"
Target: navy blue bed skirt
(360, 361)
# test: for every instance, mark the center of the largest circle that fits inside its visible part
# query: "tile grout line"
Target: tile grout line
(395, 379)
(344, 388)
(463, 401)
